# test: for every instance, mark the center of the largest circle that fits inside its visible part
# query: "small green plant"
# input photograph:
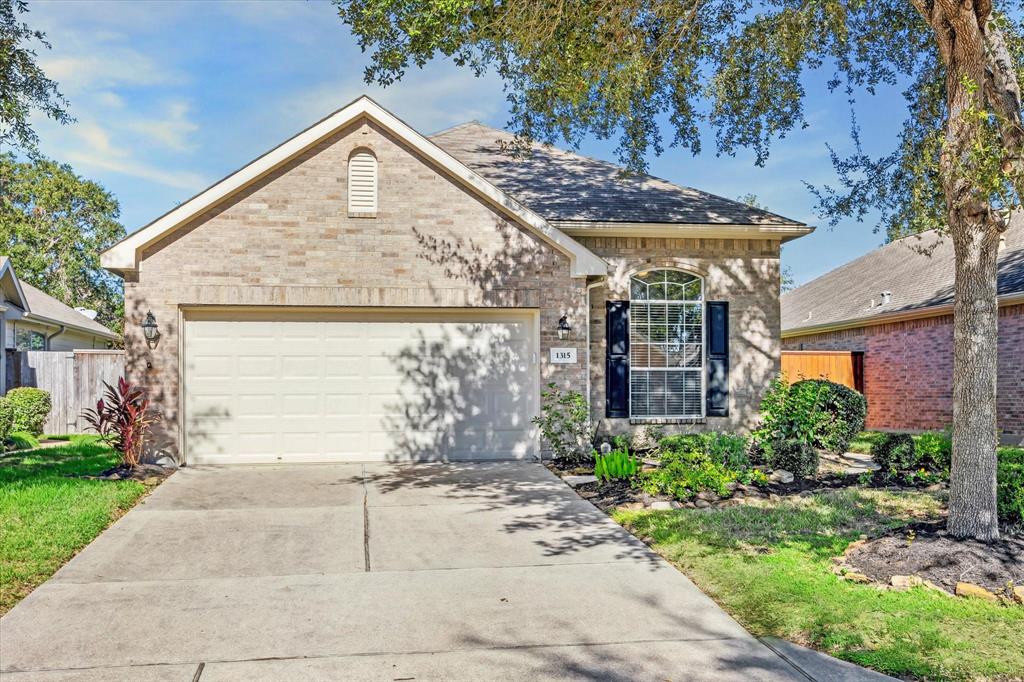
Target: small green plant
(31, 408)
(934, 451)
(693, 463)
(617, 464)
(565, 424)
(6, 419)
(895, 454)
(1010, 486)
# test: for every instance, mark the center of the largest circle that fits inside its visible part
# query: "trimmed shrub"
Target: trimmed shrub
(934, 451)
(6, 420)
(895, 453)
(31, 408)
(1010, 485)
(840, 412)
(793, 455)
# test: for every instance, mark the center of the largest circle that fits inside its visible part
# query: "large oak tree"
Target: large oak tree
(617, 67)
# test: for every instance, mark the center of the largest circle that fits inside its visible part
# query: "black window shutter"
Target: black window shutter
(717, 324)
(616, 374)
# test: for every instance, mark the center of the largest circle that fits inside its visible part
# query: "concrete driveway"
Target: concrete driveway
(378, 572)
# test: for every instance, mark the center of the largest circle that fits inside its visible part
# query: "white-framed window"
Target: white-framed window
(666, 344)
(362, 184)
(29, 339)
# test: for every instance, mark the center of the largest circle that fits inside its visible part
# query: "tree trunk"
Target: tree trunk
(972, 486)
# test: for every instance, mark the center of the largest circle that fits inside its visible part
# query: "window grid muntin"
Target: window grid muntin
(666, 325)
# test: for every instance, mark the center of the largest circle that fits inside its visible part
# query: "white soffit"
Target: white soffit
(124, 256)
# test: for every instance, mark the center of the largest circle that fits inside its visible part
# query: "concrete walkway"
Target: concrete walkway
(376, 572)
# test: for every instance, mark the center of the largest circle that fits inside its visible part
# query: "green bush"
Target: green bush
(934, 451)
(6, 419)
(821, 413)
(564, 422)
(617, 464)
(839, 415)
(1010, 485)
(895, 454)
(31, 408)
(795, 456)
(726, 449)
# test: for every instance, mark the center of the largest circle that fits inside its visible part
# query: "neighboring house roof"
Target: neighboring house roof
(564, 186)
(916, 270)
(10, 284)
(124, 256)
(36, 305)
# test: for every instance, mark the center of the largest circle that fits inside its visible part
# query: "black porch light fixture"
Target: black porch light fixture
(563, 327)
(150, 330)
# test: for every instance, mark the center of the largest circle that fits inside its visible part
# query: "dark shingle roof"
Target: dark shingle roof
(918, 270)
(561, 185)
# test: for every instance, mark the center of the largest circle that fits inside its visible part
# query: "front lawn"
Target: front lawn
(47, 514)
(769, 564)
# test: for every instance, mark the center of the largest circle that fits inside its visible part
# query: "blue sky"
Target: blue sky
(170, 97)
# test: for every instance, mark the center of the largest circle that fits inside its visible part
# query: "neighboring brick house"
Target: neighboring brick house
(894, 305)
(364, 292)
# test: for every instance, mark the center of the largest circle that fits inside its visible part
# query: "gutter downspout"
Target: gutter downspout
(600, 282)
(54, 335)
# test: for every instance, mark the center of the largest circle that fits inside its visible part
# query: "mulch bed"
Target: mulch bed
(933, 555)
(149, 474)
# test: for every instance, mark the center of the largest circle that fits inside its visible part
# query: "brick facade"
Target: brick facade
(908, 370)
(744, 272)
(287, 240)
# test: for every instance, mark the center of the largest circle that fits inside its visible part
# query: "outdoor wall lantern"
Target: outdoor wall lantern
(150, 330)
(563, 327)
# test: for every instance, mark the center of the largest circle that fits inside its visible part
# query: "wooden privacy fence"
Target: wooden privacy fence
(841, 366)
(73, 378)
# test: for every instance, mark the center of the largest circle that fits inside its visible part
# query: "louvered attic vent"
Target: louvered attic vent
(362, 185)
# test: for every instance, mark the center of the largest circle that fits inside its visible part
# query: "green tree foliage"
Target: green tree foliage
(53, 225)
(24, 87)
(736, 68)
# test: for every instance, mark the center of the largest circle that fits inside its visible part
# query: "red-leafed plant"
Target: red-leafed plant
(122, 419)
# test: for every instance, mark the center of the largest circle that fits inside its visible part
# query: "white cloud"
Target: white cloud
(174, 131)
(127, 166)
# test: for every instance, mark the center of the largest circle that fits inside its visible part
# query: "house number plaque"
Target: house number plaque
(563, 356)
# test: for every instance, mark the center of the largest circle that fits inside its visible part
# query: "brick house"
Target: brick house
(362, 291)
(895, 305)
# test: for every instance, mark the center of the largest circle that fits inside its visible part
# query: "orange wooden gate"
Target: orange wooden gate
(841, 366)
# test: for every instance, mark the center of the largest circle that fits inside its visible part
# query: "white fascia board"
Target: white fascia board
(784, 233)
(124, 255)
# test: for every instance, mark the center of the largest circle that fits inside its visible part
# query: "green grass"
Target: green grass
(47, 515)
(769, 566)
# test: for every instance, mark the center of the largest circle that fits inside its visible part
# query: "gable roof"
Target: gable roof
(566, 187)
(38, 305)
(851, 295)
(124, 256)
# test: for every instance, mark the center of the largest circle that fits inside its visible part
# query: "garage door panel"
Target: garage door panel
(410, 387)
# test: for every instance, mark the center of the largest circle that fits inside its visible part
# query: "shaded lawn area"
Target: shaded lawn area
(770, 567)
(46, 517)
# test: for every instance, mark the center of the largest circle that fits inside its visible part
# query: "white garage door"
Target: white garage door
(270, 387)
